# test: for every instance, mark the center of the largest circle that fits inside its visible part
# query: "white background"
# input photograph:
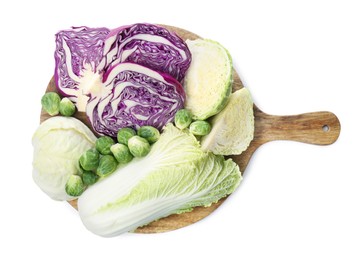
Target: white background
(297, 201)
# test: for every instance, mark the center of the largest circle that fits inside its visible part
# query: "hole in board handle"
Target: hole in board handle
(325, 128)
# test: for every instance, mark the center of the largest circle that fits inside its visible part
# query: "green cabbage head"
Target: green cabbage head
(58, 143)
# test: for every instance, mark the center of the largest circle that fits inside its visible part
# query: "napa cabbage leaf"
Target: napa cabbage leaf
(176, 176)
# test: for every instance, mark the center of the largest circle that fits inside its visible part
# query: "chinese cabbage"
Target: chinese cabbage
(173, 178)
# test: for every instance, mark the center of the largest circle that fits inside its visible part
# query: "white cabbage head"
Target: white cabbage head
(58, 143)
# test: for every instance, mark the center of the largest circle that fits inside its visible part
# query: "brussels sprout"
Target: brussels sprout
(80, 169)
(103, 144)
(74, 186)
(89, 178)
(121, 153)
(182, 118)
(51, 103)
(150, 133)
(200, 127)
(107, 165)
(89, 160)
(67, 108)
(124, 134)
(138, 146)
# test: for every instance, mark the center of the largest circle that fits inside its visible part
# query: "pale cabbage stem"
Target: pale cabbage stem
(90, 85)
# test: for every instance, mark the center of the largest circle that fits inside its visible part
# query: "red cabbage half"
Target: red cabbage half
(127, 77)
(77, 50)
(148, 45)
(132, 96)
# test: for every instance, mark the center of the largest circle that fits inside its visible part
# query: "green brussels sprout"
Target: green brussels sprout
(124, 134)
(89, 178)
(74, 186)
(51, 103)
(182, 118)
(150, 133)
(89, 160)
(121, 153)
(67, 108)
(138, 146)
(200, 128)
(107, 165)
(103, 144)
(81, 170)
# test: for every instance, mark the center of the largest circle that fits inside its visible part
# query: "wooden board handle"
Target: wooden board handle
(320, 128)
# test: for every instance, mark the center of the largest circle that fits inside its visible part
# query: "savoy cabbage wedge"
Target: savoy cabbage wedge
(173, 178)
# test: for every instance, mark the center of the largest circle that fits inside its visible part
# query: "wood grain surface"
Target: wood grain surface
(321, 128)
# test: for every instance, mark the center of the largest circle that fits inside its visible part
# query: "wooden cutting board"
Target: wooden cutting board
(321, 128)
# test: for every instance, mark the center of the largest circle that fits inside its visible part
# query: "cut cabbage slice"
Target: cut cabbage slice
(208, 82)
(233, 128)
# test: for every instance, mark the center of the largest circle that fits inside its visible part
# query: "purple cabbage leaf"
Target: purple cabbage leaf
(78, 51)
(132, 96)
(149, 45)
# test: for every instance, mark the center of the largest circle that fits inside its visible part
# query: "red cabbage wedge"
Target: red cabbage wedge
(77, 50)
(132, 96)
(148, 45)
